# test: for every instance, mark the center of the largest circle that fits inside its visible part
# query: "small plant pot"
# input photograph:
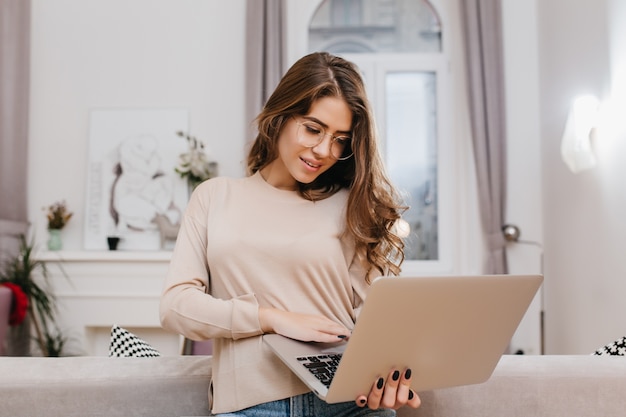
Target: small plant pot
(112, 241)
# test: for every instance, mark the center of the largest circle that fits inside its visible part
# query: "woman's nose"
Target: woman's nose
(322, 149)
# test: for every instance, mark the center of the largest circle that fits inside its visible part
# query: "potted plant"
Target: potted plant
(58, 215)
(21, 272)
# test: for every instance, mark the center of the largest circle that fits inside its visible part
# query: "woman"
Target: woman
(291, 248)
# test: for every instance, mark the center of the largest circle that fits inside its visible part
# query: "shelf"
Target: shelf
(104, 256)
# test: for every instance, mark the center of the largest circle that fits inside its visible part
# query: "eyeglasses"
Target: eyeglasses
(311, 134)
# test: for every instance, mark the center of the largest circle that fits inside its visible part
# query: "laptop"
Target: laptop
(450, 330)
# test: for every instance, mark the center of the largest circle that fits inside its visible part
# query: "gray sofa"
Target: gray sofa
(550, 386)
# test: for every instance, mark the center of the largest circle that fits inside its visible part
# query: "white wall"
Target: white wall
(90, 54)
(190, 53)
(584, 225)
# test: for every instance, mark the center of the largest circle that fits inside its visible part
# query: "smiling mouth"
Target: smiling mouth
(310, 164)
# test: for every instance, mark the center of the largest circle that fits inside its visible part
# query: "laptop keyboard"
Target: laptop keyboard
(322, 366)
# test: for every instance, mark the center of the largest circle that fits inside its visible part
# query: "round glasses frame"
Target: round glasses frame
(311, 134)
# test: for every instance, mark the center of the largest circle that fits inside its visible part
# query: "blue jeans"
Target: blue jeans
(308, 405)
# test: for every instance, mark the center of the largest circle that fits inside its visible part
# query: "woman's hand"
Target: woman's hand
(393, 392)
(304, 327)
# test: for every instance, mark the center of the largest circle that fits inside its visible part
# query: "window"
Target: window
(398, 46)
(411, 153)
(375, 26)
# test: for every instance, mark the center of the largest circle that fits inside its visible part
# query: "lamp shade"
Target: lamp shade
(576, 148)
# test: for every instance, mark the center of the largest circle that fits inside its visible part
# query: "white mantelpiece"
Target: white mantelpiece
(96, 290)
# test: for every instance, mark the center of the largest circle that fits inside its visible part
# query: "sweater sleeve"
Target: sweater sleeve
(186, 307)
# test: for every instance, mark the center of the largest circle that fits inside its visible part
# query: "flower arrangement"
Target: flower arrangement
(195, 164)
(58, 215)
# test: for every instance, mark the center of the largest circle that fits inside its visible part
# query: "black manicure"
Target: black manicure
(363, 400)
(342, 336)
(407, 373)
(396, 375)
(411, 395)
(380, 383)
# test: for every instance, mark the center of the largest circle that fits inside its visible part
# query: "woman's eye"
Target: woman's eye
(342, 140)
(312, 129)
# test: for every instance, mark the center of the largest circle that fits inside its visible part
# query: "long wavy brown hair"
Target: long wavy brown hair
(374, 205)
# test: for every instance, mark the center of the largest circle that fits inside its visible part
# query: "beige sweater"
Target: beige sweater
(245, 244)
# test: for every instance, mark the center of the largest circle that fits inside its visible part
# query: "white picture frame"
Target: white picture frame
(131, 177)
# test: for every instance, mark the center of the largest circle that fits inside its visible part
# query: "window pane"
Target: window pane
(361, 26)
(411, 152)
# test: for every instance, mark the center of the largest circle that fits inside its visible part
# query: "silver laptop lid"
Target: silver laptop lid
(450, 330)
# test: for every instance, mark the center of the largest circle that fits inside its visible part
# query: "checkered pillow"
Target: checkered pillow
(617, 348)
(125, 344)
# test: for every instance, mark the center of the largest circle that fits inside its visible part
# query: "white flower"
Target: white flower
(195, 164)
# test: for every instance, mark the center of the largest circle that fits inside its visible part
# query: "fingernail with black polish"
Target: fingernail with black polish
(380, 383)
(363, 400)
(342, 336)
(411, 395)
(396, 375)
(407, 373)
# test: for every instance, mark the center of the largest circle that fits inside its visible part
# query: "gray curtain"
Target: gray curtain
(14, 92)
(265, 46)
(484, 58)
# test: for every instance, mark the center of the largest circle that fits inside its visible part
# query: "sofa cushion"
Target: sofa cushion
(537, 386)
(102, 386)
(126, 344)
(616, 348)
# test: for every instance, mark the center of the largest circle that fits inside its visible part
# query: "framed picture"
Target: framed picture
(132, 188)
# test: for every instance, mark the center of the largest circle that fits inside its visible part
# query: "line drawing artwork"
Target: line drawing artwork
(132, 188)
